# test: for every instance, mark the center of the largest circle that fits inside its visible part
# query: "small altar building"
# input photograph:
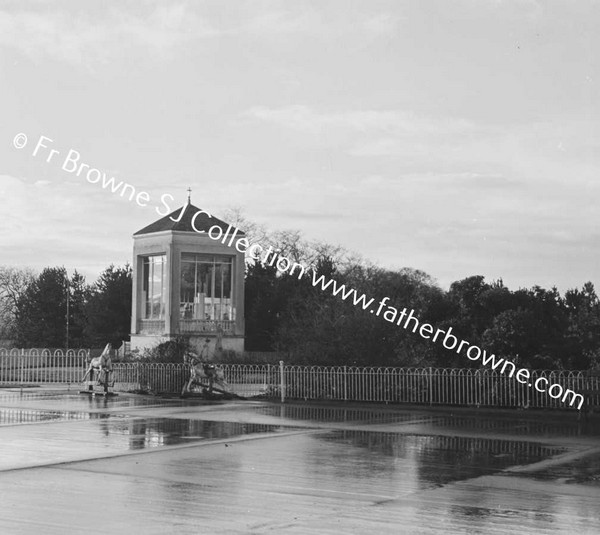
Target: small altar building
(186, 283)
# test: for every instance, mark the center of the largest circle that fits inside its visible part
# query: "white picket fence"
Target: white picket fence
(42, 366)
(426, 386)
(432, 386)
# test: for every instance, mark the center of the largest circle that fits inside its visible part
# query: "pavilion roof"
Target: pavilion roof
(202, 222)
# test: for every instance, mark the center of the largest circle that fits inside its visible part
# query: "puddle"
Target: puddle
(76, 401)
(102, 434)
(436, 460)
(336, 414)
(29, 416)
(151, 432)
(515, 424)
(414, 475)
(543, 425)
(583, 471)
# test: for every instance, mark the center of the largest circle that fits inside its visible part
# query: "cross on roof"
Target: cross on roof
(189, 190)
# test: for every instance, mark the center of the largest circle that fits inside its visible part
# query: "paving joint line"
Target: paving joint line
(159, 449)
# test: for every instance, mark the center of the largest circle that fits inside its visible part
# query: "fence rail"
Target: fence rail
(428, 386)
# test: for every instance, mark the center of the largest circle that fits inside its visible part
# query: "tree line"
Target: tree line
(534, 327)
(57, 310)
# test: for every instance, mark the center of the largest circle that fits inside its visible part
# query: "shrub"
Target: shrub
(171, 351)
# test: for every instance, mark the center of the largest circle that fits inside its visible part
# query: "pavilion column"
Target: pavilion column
(169, 298)
(136, 305)
(239, 265)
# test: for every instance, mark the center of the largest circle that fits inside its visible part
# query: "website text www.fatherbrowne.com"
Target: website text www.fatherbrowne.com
(72, 163)
(402, 318)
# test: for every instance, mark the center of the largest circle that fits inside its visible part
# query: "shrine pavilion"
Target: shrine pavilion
(187, 284)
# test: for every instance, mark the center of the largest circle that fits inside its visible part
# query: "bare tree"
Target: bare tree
(289, 243)
(13, 283)
(255, 232)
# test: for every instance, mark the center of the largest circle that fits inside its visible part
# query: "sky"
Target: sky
(456, 137)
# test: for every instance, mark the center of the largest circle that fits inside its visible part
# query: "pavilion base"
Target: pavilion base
(228, 342)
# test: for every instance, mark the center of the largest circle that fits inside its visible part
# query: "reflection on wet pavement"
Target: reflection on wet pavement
(75, 401)
(144, 433)
(516, 424)
(331, 414)
(24, 416)
(306, 483)
(584, 470)
(106, 434)
(528, 427)
(440, 459)
(185, 466)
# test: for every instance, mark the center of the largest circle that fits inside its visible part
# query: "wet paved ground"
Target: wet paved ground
(70, 463)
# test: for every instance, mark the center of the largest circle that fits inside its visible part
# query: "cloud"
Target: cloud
(304, 118)
(56, 223)
(87, 37)
(299, 18)
(83, 37)
(382, 23)
(276, 22)
(442, 143)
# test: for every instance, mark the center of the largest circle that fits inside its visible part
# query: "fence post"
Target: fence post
(282, 381)
(22, 368)
(430, 386)
(345, 384)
